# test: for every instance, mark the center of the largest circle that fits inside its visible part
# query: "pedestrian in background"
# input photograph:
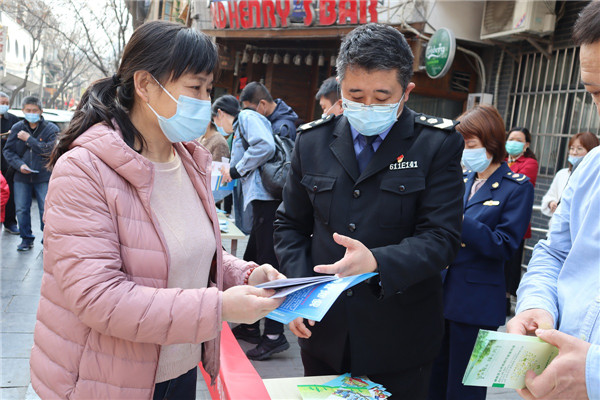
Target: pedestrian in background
(215, 142)
(378, 189)
(253, 146)
(7, 120)
(521, 161)
(136, 284)
(281, 116)
(27, 150)
(329, 97)
(579, 145)
(497, 208)
(4, 195)
(561, 287)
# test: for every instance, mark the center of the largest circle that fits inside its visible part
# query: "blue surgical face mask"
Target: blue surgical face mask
(574, 160)
(190, 120)
(373, 119)
(514, 148)
(476, 159)
(3, 109)
(32, 117)
(221, 130)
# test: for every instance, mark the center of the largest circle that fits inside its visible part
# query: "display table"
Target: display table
(287, 388)
(234, 233)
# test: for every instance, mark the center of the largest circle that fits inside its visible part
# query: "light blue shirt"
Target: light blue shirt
(563, 276)
(256, 129)
(360, 141)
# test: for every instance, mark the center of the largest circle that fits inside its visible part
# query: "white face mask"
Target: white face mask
(190, 120)
(373, 119)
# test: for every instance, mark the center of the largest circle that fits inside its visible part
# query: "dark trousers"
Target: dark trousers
(407, 384)
(183, 387)
(512, 270)
(10, 212)
(261, 249)
(450, 366)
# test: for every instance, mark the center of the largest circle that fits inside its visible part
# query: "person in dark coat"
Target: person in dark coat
(7, 120)
(27, 149)
(497, 204)
(281, 116)
(378, 188)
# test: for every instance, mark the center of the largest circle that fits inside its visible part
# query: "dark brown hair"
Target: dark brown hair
(484, 123)
(165, 49)
(587, 26)
(588, 140)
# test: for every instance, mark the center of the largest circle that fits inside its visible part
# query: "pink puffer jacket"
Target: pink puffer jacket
(104, 310)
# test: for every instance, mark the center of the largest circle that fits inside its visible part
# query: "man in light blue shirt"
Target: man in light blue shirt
(561, 288)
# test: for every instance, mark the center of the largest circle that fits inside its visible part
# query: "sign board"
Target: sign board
(439, 54)
(253, 14)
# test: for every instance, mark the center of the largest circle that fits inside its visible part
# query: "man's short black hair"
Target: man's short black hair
(330, 89)
(376, 47)
(31, 100)
(254, 92)
(587, 26)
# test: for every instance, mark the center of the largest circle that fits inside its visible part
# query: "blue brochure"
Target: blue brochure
(313, 301)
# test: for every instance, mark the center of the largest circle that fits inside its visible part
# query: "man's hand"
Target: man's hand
(225, 173)
(526, 322)
(24, 169)
(247, 304)
(23, 135)
(357, 260)
(564, 378)
(552, 206)
(299, 329)
(264, 273)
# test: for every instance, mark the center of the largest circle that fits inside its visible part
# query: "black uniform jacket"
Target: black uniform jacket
(406, 207)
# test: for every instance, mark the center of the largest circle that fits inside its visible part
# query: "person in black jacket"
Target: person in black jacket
(27, 149)
(7, 120)
(378, 188)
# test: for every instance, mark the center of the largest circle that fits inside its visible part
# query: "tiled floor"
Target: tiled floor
(20, 276)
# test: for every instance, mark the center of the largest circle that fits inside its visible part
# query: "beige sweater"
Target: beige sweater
(191, 246)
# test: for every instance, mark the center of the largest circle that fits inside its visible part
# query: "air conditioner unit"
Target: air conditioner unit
(503, 19)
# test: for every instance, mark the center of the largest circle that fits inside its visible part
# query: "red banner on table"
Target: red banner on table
(237, 377)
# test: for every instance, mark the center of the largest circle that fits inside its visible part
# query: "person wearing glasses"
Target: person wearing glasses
(377, 189)
(579, 145)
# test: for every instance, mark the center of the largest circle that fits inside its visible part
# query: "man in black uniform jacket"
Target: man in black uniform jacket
(388, 182)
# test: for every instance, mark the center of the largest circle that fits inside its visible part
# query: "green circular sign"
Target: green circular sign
(439, 53)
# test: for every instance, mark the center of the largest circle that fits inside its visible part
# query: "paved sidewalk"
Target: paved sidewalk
(21, 275)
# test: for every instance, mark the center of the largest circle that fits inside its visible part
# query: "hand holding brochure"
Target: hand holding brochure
(309, 297)
(502, 359)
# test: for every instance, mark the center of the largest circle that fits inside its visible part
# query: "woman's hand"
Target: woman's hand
(552, 206)
(225, 173)
(247, 304)
(264, 273)
(299, 329)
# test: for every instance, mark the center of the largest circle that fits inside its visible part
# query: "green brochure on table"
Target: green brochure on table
(501, 359)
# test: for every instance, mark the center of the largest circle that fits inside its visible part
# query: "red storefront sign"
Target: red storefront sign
(248, 14)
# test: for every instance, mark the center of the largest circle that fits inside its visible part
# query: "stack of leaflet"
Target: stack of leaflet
(309, 297)
(345, 387)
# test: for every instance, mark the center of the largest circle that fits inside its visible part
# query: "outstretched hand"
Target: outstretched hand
(358, 259)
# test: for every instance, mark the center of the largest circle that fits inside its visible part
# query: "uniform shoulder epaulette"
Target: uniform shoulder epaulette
(315, 123)
(435, 122)
(519, 178)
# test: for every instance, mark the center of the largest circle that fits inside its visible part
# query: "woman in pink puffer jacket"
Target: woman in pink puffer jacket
(132, 294)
